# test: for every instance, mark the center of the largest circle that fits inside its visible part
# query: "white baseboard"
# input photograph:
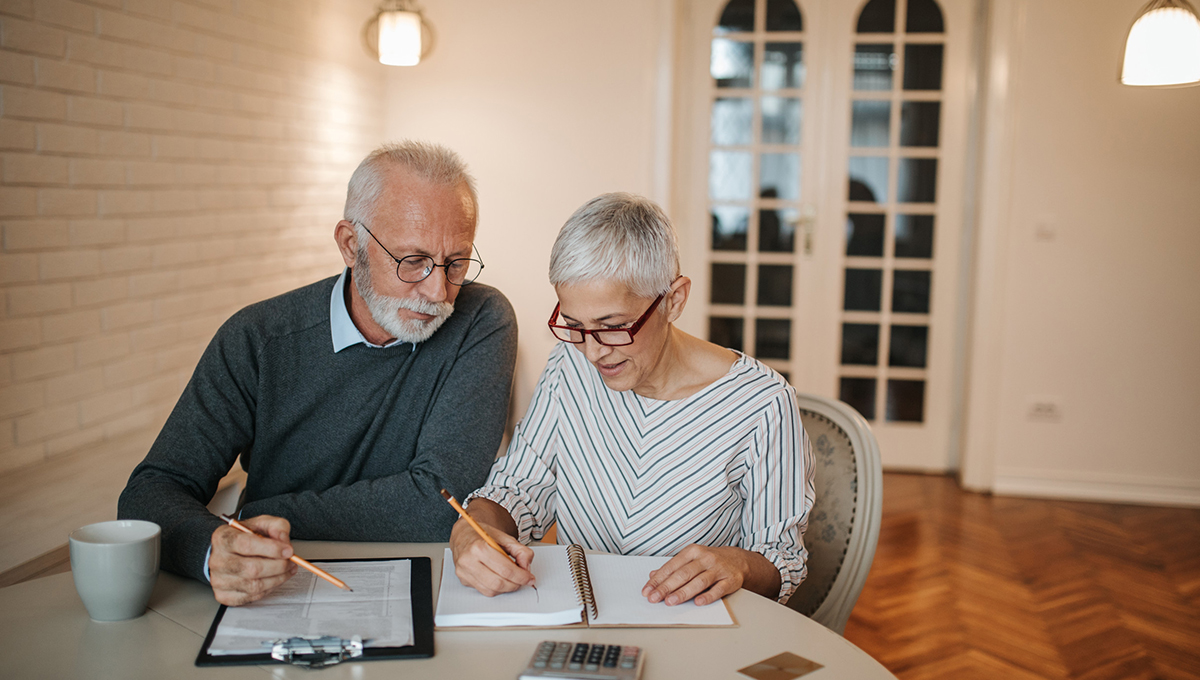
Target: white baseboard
(1093, 486)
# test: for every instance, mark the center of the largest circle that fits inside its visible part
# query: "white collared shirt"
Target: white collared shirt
(341, 326)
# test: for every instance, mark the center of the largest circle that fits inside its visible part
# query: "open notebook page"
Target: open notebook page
(553, 604)
(617, 582)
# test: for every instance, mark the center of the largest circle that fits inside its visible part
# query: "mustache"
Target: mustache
(437, 309)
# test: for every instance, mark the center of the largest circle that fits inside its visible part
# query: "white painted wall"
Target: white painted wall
(1103, 310)
(550, 103)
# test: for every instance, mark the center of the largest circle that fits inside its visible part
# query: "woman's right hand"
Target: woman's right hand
(481, 567)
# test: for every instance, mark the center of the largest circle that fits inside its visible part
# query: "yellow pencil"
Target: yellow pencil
(294, 558)
(478, 529)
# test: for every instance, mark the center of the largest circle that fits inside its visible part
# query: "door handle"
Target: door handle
(806, 226)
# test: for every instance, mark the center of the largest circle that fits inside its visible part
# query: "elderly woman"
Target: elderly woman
(641, 439)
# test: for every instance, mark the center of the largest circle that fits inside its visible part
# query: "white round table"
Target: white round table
(47, 634)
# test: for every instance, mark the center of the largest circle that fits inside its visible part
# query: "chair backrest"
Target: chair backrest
(843, 525)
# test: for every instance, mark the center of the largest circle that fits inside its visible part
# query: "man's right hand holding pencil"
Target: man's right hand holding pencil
(246, 567)
(490, 569)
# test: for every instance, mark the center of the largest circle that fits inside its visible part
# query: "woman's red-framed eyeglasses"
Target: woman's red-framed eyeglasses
(613, 337)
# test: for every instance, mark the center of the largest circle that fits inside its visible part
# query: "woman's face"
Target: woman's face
(610, 304)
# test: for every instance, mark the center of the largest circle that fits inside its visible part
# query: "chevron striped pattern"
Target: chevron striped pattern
(969, 585)
(625, 474)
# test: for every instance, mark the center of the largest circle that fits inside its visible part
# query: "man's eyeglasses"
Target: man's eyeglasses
(613, 337)
(417, 268)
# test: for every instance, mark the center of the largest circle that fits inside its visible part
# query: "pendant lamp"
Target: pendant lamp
(1163, 47)
(397, 34)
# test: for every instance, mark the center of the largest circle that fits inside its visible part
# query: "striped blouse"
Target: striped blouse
(728, 466)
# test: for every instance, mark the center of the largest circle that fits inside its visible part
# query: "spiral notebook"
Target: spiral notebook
(573, 589)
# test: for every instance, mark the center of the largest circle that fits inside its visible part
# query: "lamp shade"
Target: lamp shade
(399, 38)
(1163, 48)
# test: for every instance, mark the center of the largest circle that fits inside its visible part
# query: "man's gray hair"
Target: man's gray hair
(431, 162)
(621, 237)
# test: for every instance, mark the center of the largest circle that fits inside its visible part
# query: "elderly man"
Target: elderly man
(351, 401)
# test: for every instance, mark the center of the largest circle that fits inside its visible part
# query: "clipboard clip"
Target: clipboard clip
(316, 652)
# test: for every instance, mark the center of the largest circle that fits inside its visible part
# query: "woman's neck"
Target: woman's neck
(685, 366)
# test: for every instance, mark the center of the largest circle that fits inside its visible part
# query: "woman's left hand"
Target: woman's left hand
(704, 573)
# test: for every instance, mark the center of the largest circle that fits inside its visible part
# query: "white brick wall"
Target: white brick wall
(163, 163)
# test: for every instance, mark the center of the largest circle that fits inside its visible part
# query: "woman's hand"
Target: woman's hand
(707, 574)
(480, 566)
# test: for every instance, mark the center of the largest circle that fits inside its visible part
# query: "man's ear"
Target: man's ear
(347, 241)
(677, 298)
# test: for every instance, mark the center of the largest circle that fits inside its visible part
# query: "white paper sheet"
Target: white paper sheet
(379, 610)
(554, 603)
(617, 582)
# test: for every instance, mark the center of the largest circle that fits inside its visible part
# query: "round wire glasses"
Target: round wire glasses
(416, 268)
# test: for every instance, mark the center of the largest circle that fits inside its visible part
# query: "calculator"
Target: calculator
(584, 661)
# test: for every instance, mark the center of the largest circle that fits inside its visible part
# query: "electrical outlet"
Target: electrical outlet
(1046, 409)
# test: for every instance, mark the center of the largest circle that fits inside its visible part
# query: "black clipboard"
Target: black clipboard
(421, 592)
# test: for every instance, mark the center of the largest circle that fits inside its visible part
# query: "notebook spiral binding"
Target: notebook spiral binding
(583, 582)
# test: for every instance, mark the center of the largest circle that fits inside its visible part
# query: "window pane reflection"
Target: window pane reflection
(859, 393)
(869, 123)
(732, 63)
(923, 16)
(878, 16)
(908, 346)
(868, 179)
(775, 285)
(873, 66)
(781, 120)
(922, 67)
(919, 123)
(910, 292)
(779, 176)
(738, 15)
(729, 175)
(860, 344)
(772, 338)
(729, 227)
(914, 236)
(728, 284)
(864, 234)
(783, 15)
(776, 230)
(783, 65)
(726, 332)
(916, 180)
(906, 400)
(864, 290)
(732, 121)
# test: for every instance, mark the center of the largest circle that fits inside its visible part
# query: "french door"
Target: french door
(820, 152)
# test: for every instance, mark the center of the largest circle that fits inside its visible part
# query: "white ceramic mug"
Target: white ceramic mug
(115, 565)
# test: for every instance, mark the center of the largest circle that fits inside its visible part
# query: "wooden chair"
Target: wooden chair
(843, 525)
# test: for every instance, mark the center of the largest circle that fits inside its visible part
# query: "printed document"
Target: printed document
(379, 610)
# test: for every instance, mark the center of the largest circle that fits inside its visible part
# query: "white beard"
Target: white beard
(384, 308)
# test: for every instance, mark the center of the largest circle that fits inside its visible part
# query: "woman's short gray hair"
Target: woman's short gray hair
(431, 162)
(618, 236)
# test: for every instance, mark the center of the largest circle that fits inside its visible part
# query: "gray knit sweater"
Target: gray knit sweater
(352, 446)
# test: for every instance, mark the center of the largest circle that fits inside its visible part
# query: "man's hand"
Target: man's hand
(243, 568)
(707, 574)
(479, 566)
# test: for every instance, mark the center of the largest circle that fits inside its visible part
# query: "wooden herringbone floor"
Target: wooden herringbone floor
(970, 586)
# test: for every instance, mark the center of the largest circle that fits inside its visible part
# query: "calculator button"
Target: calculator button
(629, 656)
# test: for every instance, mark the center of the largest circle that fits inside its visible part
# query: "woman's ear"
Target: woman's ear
(677, 298)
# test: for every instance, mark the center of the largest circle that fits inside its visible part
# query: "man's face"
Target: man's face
(413, 217)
